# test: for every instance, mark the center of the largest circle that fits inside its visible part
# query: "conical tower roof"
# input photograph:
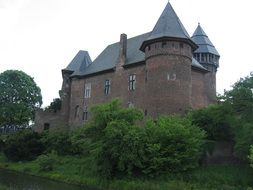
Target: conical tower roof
(202, 40)
(168, 26)
(80, 62)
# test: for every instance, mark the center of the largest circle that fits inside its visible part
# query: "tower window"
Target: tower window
(87, 90)
(131, 82)
(85, 113)
(107, 89)
(197, 57)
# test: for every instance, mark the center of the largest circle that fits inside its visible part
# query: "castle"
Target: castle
(164, 71)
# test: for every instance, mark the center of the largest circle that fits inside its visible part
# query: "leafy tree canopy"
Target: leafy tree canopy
(240, 98)
(55, 105)
(19, 97)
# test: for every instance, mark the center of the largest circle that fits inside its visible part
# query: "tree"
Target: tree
(240, 101)
(240, 98)
(19, 98)
(55, 105)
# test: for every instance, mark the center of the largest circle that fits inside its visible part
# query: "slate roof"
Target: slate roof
(202, 40)
(80, 62)
(169, 26)
(197, 65)
(108, 59)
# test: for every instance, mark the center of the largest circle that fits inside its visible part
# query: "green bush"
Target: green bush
(58, 141)
(251, 156)
(243, 140)
(216, 120)
(23, 145)
(122, 146)
(47, 162)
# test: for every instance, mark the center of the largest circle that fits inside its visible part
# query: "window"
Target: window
(107, 87)
(181, 45)
(76, 111)
(131, 82)
(85, 113)
(46, 126)
(87, 90)
(130, 105)
(164, 44)
(171, 76)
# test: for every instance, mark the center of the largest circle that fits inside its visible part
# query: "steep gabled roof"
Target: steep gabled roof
(202, 40)
(108, 59)
(80, 62)
(169, 26)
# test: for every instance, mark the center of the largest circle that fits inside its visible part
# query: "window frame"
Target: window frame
(87, 90)
(107, 87)
(132, 82)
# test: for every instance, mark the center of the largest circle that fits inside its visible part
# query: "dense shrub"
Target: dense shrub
(177, 145)
(123, 146)
(23, 145)
(243, 139)
(58, 141)
(251, 156)
(47, 161)
(216, 120)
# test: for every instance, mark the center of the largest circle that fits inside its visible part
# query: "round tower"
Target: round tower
(208, 57)
(168, 54)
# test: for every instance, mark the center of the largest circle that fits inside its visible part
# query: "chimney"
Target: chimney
(123, 49)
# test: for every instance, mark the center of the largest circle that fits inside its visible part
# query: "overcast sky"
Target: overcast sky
(41, 37)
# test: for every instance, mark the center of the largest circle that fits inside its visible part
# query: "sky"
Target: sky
(41, 37)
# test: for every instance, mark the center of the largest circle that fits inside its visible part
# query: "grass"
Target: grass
(78, 170)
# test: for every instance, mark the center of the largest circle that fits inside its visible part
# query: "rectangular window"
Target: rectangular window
(87, 90)
(107, 87)
(131, 82)
(85, 113)
(76, 111)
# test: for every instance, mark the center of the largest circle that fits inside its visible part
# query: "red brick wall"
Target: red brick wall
(163, 84)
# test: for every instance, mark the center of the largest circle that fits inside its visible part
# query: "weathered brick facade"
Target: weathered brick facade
(155, 72)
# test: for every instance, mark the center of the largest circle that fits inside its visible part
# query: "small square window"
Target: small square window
(164, 44)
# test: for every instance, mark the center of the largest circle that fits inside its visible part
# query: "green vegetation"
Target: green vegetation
(78, 170)
(231, 119)
(23, 145)
(122, 147)
(55, 105)
(251, 156)
(19, 98)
